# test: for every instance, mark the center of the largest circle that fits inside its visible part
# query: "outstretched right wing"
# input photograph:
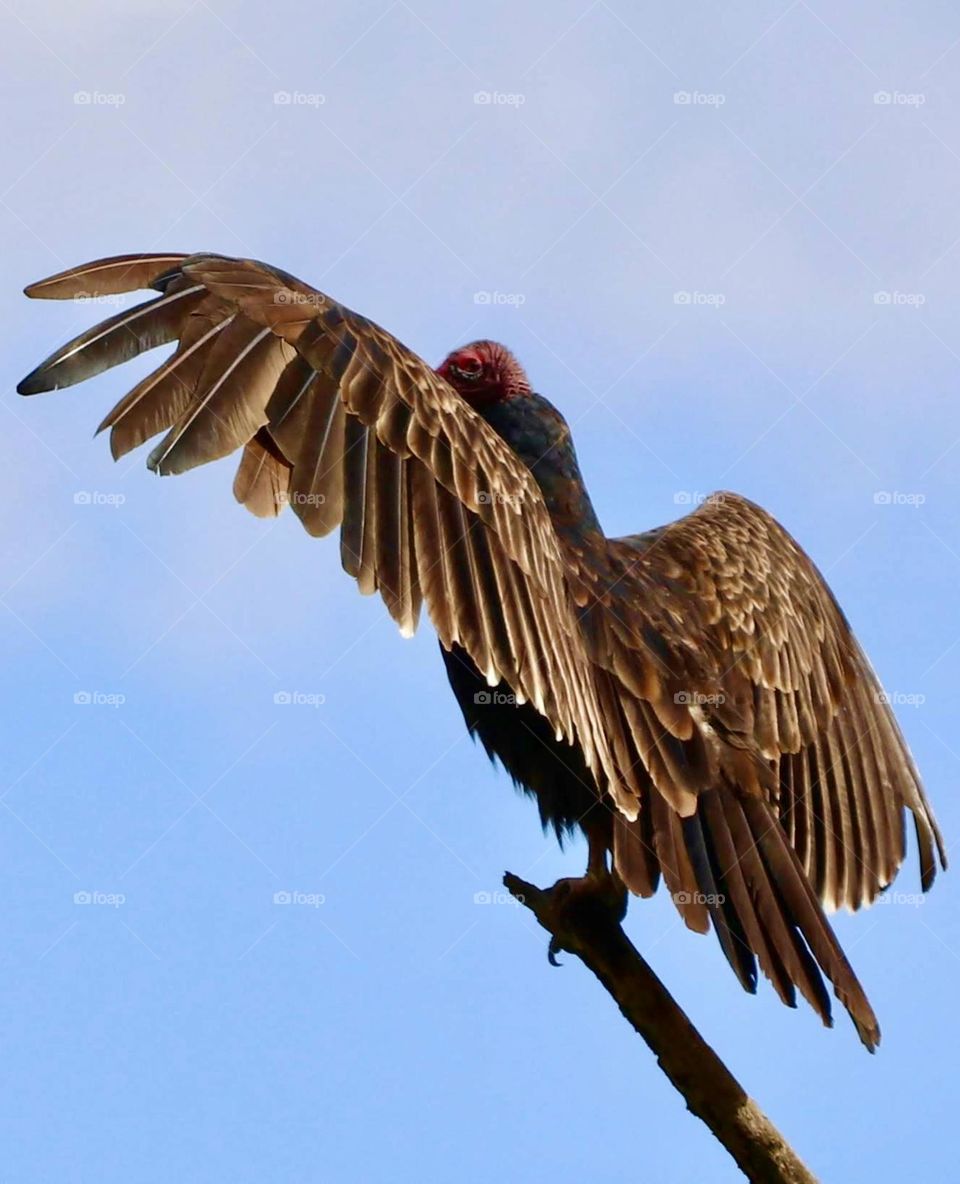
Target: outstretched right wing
(347, 426)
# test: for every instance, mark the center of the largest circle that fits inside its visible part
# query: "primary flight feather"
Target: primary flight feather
(692, 697)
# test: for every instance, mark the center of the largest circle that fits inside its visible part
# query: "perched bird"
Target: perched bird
(692, 698)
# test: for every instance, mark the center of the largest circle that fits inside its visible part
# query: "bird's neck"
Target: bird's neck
(540, 437)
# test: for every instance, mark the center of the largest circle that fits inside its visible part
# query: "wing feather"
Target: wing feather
(263, 478)
(104, 277)
(776, 687)
(118, 339)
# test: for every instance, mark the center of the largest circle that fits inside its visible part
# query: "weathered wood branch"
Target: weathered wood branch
(709, 1089)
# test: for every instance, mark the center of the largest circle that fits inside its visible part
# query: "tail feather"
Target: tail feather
(634, 854)
(800, 905)
(727, 922)
(731, 864)
(779, 924)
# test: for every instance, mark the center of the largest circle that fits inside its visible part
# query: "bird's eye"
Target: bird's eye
(470, 369)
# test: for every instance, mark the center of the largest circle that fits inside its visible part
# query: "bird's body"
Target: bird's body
(691, 697)
(516, 733)
(538, 434)
(519, 737)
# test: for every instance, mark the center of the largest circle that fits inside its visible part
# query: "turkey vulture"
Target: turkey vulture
(692, 697)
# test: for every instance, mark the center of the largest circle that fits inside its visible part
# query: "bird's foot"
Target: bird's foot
(585, 902)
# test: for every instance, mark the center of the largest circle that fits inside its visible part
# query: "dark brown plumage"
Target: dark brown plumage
(691, 697)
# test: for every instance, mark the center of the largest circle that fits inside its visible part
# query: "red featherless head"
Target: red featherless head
(484, 372)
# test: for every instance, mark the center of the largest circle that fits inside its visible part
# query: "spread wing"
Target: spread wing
(345, 425)
(777, 777)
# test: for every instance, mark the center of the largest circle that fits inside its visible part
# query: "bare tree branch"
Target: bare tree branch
(710, 1091)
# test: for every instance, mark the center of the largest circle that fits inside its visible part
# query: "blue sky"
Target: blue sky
(725, 244)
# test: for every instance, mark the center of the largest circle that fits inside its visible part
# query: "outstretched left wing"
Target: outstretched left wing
(778, 780)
